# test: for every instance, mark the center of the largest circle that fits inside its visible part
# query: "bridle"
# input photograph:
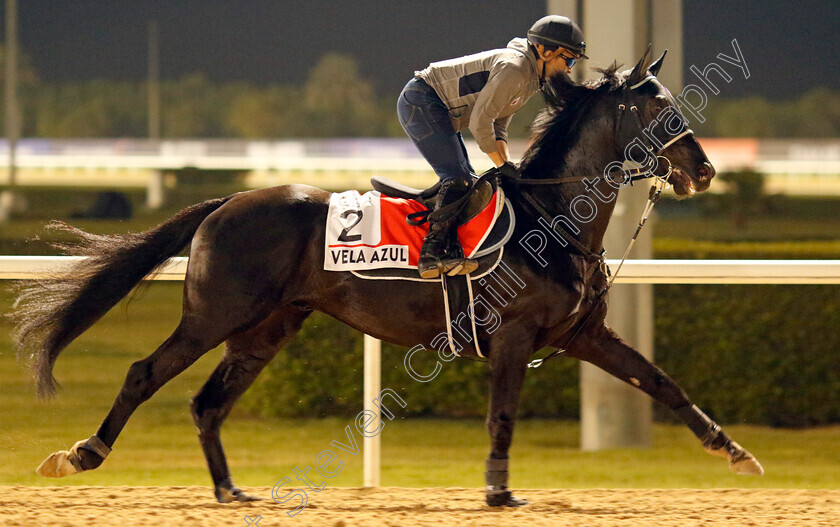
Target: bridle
(646, 171)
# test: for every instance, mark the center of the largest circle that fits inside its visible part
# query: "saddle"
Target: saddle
(478, 200)
(490, 250)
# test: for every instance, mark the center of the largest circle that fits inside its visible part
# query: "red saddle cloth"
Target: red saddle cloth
(370, 231)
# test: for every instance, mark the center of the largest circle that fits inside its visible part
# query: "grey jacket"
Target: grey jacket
(484, 90)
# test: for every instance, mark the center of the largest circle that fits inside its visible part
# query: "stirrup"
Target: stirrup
(441, 266)
(465, 266)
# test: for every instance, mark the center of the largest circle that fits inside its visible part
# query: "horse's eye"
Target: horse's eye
(659, 103)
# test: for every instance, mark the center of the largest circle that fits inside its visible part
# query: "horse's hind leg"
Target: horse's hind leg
(607, 351)
(190, 341)
(247, 354)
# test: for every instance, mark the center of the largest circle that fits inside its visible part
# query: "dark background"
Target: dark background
(789, 46)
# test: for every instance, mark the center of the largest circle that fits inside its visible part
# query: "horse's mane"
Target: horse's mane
(557, 125)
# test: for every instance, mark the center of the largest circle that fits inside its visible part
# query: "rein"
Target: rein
(636, 174)
(644, 172)
(655, 190)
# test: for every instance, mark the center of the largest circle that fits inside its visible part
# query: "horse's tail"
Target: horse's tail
(49, 314)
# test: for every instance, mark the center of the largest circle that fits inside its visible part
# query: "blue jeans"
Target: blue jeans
(425, 119)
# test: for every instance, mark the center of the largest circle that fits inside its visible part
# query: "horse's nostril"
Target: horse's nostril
(706, 170)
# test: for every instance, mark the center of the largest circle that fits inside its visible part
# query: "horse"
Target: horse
(255, 273)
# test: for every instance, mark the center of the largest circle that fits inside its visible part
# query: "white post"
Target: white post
(8, 198)
(156, 190)
(614, 414)
(373, 385)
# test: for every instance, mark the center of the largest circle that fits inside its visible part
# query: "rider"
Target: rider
(480, 92)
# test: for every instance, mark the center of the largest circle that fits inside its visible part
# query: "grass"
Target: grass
(159, 445)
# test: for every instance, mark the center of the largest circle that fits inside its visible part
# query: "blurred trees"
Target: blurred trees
(195, 107)
(336, 100)
(746, 196)
(28, 84)
(98, 108)
(274, 111)
(815, 114)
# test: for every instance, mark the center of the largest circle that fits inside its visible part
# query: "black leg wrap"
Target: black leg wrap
(496, 478)
(497, 473)
(97, 446)
(706, 430)
(90, 454)
(76, 462)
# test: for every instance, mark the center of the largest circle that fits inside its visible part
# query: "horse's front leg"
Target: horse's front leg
(603, 348)
(508, 362)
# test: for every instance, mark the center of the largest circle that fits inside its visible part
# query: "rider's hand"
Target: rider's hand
(501, 155)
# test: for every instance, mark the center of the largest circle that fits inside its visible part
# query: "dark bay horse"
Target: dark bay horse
(256, 272)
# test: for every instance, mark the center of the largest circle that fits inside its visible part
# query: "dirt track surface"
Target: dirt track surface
(351, 507)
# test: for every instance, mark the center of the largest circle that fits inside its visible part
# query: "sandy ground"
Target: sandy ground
(350, 507)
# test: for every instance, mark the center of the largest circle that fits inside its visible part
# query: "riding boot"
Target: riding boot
(441, 253)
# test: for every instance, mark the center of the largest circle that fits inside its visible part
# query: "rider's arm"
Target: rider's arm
(500, 126)
(488, 130)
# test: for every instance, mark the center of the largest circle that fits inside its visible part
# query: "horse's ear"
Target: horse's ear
(640, 71)
(657, 64)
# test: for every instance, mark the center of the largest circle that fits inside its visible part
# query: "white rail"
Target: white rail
(633, 272)
(801, 167)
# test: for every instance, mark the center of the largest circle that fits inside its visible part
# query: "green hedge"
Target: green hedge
(762, 354)
(670, 248)
(755, 354)
(320, 373)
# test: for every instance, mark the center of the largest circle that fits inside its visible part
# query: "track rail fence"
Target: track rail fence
(791, 272)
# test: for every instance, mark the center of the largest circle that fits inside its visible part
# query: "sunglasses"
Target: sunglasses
(570, 61)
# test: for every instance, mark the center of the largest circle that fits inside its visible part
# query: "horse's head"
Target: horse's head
(630, 111)
(651, 122)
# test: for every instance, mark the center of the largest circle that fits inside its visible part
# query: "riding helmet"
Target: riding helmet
(554, 30)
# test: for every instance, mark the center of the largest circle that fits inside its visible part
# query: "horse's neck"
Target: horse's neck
(587, 158)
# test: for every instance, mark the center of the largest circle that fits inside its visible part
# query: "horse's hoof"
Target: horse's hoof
(62, 463)
(234, 494)
(505, 499)
(57, 465)
(746, 464)
(513, 501)
(740, 461)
